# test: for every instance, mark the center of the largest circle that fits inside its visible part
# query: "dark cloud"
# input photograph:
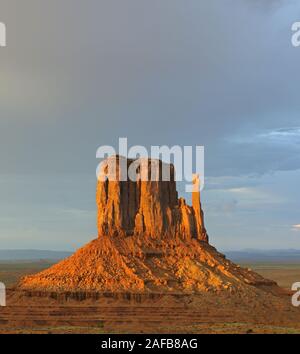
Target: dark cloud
(79, 75)
(265, 151)
(76, 75)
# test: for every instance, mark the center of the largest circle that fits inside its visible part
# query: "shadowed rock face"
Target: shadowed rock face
(148, 206)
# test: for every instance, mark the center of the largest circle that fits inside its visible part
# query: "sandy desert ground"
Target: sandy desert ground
(124, 313)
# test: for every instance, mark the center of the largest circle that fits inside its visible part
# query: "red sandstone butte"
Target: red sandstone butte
(149, 240)
(148, 207)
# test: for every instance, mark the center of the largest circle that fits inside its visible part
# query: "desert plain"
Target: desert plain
(162, 315)
(151, 269)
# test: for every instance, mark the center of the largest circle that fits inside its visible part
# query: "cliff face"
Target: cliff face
(149, 240)
(150, 207)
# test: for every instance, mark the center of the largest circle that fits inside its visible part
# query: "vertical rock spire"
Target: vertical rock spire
(199, 215)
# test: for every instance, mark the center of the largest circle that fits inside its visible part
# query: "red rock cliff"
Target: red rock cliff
(150, 207)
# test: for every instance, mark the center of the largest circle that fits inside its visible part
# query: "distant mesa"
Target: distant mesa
(149, 240)
(32, 255)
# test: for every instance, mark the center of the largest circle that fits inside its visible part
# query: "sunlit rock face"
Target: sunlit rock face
(146, 203)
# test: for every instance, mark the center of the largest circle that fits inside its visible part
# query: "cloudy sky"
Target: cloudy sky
(79, 74)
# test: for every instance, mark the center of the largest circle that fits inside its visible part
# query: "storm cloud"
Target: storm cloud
(76, 75)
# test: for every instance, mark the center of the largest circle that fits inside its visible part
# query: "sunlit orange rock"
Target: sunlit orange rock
(149, 240)
(147, 207)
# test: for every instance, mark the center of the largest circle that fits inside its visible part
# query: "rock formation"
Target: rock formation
(149, 240)
(148, 205)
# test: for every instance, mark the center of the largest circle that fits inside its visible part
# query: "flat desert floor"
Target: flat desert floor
(159, 314)
(285, 274)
